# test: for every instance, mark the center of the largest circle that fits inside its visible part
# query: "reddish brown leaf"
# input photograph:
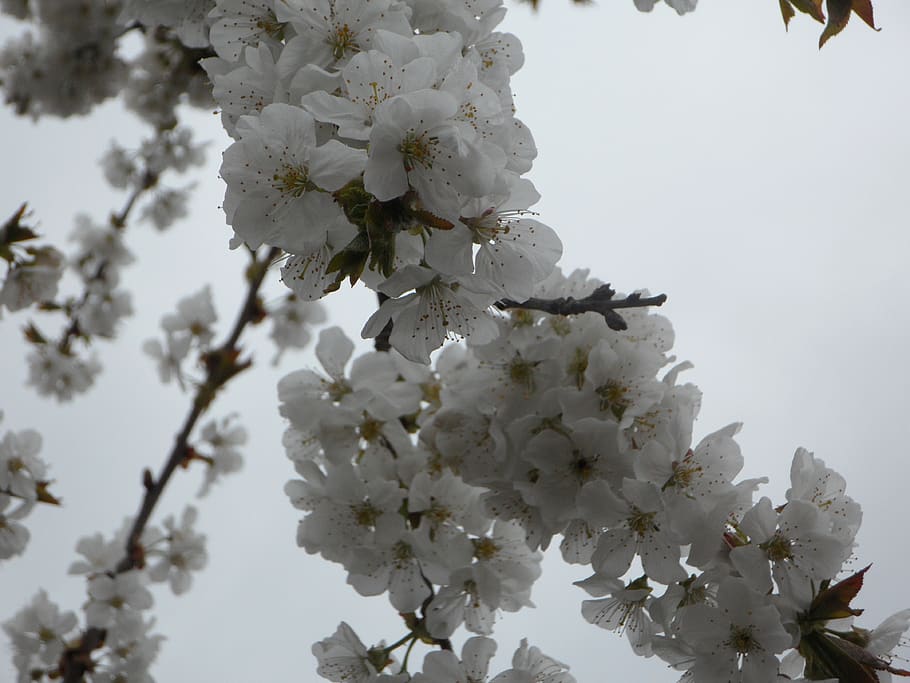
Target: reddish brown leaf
(811, 7)
(863, 9)
(787, 12)
(44, 495)
(839, 14)
(834, 601)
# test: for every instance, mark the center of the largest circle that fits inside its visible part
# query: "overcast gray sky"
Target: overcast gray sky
(759, 183)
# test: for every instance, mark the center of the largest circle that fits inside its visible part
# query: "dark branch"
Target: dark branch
(221, 365)
(382, 343)
(599, 301)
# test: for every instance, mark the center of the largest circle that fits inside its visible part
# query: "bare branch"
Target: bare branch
(599, 301)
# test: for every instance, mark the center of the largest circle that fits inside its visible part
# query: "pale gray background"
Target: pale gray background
(761, 184)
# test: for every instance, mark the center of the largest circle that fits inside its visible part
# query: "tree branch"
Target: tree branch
(117, 224)
(382, 343)
(221, 365)
(599, 301)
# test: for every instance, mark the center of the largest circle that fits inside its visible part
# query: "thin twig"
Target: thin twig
(599, 301)
(382, 341)
(221, 365)
(118, 223)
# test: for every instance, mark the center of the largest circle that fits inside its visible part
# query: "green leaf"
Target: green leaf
(826, 657)
(350, 261)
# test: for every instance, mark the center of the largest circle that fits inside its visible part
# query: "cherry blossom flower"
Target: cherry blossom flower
(195, 315)
(330, 32)
(530, 664)
(737, 640)
(445, 667)
(278, 179)
(184, 554)
(13, 535)
(112, 597)
(39, 633)
(437, 310)
(21, 470)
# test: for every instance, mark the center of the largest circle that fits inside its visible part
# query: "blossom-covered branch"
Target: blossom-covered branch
(56, 367)
(376, 141)
(222, 364)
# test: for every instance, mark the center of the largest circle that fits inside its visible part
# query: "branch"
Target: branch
(221, 365)
(117, 223)
(382, 342)
(599, 301)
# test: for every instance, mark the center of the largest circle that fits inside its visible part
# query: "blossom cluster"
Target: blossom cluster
(72, 59)
(343, 657)
(377, 141)
(57, 368)
(33, 273)
(23, 483)
(440, 488)
(117, 604)
(191, 326)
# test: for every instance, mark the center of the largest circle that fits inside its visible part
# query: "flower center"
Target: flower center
(778, 548)
(370, 429)
(521, 372)
(293, 181)
(642, 522)
(343, 42)
(485, 549)
(365, 514)
(613, 398)
(742, 640)
(270, 25)
(417, 150)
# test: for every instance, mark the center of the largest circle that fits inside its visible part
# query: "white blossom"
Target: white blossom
(184, 553)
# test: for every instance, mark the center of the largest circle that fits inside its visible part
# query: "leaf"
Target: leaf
(787, 12)
(12, 231)
(811, 7)
(826, 657)
(863, 9)
(33, 335)
(45, 496)
(831, 655)
(833, 602)
(350, 261)
(839, 14)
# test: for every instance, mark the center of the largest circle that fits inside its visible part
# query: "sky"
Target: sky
(759, 183)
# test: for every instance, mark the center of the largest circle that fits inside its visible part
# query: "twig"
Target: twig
(382, 341)
(221, 365)
(118, 223)
(599, 301)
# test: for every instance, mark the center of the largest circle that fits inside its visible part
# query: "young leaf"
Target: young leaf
(811, 7)
(839, 14)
